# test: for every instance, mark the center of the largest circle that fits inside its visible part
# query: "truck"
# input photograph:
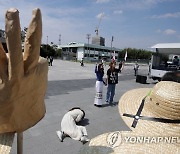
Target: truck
(163, 60)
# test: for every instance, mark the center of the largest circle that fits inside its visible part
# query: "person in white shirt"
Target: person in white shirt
(69, 127)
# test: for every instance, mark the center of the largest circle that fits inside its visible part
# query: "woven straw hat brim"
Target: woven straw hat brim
(6, 141)
(130, 102)
(102, 145)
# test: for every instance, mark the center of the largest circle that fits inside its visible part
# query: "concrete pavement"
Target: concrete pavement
(70, 85)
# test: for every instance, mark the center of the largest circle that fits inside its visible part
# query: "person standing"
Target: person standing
(103, 62)
(112, 80)
(149, 71)
(136, 67)
(176, 61)
(51, 60)
(99, 70)
(121, 65)
(82, 62)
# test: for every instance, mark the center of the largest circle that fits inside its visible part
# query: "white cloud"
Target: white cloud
(118, 12)
(141, 4)
(102, 1)
(169, 32)
(153, 2)
(166, 31)
(167, 15)
(158, 31)
(100, 15)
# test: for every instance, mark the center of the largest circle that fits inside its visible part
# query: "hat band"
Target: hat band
(164, 120)
(137, 116)
(138, 112)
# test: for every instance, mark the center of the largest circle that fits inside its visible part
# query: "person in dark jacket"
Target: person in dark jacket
(112, 80)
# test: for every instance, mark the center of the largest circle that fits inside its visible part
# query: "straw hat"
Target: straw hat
(6, 141)
(158, 122)
(161, 102)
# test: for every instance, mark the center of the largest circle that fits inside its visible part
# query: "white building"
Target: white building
(88, 52)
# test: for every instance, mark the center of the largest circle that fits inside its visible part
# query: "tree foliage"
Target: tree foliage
(133, 53)
(47, 50)
(23, 34)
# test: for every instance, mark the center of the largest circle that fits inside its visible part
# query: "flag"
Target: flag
(125, 56)
(114, 57)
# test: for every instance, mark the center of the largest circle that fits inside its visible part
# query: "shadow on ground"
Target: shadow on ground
(83, 122)
(61, 87)
(110, 104)
(95, 150)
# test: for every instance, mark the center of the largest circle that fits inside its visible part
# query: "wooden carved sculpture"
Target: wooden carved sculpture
(23, 76)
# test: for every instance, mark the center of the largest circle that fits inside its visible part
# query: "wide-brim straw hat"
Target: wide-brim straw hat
(161, 102)
(6, 141)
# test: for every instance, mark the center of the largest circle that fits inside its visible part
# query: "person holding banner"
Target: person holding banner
(99, 70)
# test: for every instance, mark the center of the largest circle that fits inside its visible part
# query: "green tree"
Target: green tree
(135, 53)
(43, 51)
(23, 33)
(58, 53)
(47, 50)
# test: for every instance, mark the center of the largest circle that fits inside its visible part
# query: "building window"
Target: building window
(74, 50)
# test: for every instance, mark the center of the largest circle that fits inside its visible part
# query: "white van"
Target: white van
(162, 59)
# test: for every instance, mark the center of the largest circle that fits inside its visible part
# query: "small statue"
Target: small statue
(23, 76)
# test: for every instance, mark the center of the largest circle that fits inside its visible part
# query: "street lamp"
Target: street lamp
(59, 39)
(88, 37)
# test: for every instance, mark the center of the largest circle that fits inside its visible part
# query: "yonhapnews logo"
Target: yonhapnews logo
(114, 139)
(151, 139)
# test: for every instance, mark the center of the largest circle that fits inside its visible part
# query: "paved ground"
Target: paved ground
(71, 85)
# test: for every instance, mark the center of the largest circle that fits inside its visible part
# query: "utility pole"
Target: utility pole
(88, 37)
(47, 40)
(59, 39)
(111, 45)
(46, 44)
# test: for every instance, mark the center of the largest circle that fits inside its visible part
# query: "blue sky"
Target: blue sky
(133, 23)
